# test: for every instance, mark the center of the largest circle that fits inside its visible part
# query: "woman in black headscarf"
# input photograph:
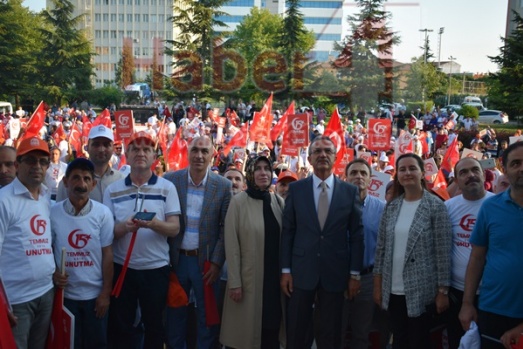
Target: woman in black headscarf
(253, 312)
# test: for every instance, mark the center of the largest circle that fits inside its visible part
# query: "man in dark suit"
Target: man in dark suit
(321, 250)
(204, 200)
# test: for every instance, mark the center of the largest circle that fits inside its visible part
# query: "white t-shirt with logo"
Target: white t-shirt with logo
(26, 256)
(83, 238)
(53, 176)
(463, 214)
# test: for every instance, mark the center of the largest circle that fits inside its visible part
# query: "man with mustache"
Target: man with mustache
(463, 210)
(84, 228)
(495, 260)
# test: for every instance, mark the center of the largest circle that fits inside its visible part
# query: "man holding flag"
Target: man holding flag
(141, 271)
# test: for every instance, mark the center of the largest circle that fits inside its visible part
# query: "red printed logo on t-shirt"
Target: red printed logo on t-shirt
(38, 225)
(78, 239)
(467, 222)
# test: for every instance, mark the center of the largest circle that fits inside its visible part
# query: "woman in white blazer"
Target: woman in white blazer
(412, 264)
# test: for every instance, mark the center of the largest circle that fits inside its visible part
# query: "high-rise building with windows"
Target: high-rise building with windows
(513, 5)
(323, 17)
(143, 24)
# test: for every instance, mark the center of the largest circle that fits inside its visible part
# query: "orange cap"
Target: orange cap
(140, 135)
(31, 144)
(287, 175)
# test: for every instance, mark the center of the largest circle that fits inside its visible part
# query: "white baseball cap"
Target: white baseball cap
(101, 131)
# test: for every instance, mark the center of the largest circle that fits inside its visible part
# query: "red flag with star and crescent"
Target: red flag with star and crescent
(282, 123)
(238, 140)
(177, 156)
(260, 130)
(35, 123)
(104, 119)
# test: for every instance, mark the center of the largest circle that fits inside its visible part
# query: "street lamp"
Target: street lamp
(441, 30)
(452, 59)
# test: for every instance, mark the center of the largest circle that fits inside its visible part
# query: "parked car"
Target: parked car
(476, 105)
(493, 117)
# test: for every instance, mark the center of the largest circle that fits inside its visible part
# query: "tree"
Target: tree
(505, 90)
(19, 47)
(425, 77)
(125, 67)
(196, 23)
(365, 59)
(65, 62)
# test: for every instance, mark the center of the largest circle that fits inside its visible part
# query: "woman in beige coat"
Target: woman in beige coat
(253, 311)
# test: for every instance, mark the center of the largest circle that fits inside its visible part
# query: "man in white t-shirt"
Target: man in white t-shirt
(26, 256)
(463, 210)
(84, 228)
(147, 277)
(55, 172)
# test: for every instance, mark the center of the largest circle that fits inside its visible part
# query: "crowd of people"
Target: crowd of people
(270, 250)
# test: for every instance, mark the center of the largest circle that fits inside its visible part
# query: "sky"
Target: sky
(473, 29)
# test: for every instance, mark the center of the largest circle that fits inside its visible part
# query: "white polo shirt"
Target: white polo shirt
(26, 256)
(124, 199)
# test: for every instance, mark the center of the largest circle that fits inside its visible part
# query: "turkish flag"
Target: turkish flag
(451, 156)
(58, 134)
(232, 117)
(7, 340)
(440, 186)
(335, 131)
(177, 155)
(35, 123)
(211, 308)
(238, 140)
(260, 130)
(281, 126)
(104, 119)
(345, 156)
(86, 126)
(424, 145)
(75, 138)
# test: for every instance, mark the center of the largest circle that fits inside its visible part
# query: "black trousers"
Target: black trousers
(329, 306)
(494, 325)
(407, 332)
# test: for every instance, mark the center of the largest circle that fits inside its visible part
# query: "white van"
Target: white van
(6, 107)
(472, 99)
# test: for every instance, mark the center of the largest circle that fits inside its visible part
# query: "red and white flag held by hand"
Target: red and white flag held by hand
(104, 119)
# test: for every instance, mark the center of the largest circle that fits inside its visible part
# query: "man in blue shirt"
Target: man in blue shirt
(496, 261)
(361, 311)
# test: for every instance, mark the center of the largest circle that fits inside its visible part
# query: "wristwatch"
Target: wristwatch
(356, 277)
(443, 290)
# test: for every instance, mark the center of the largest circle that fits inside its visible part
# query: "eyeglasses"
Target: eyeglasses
(31, 161)
(118, 148)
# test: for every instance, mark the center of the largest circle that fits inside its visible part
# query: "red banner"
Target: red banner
(297, 131)
(124, 122)
(379, 131)
(403, 144)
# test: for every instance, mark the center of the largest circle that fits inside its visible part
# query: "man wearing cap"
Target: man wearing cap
(118, 158)
(147, 277)
(282, 185)
(7, 165)
(26, 256)
(84, 228)
(100, 149)
(361, 311)
(204, 198)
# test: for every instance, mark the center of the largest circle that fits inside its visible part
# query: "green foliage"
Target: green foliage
(66, 60)
(415, 105)
(505, 90)
(469, 111)
(424, 77)
(105, 96)
(20, 42)
(365, 61)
